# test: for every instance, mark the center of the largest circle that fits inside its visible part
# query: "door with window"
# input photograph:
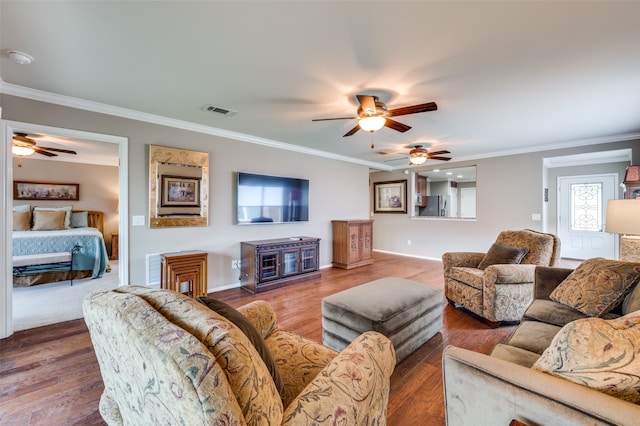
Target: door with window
(582, 209)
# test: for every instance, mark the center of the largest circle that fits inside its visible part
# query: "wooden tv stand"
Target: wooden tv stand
(268, 264)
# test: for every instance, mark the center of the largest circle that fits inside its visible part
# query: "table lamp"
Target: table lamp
(623, 217)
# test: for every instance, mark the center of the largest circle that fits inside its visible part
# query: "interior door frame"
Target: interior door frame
(6, 179)
(616, 243)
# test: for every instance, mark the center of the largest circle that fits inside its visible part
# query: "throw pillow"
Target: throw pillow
(22, 220)
(66, 209)
(22, 208)
(48, 220)
(599, 354)
(252, 334)
(597, 285)
(500, 254)
(79, 219)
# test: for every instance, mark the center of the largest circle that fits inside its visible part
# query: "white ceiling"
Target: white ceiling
(507, 76)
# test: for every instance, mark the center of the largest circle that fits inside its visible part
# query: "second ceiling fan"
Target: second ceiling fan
(373, 115)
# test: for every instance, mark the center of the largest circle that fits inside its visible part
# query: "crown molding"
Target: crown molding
(68, 101)
(548, 147)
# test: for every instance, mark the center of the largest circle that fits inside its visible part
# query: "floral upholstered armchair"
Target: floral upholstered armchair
(167, 359)
(498, 285)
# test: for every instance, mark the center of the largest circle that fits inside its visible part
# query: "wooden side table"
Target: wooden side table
(114, 246)
(184, 267)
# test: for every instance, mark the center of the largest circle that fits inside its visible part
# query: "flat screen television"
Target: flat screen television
(271, 199)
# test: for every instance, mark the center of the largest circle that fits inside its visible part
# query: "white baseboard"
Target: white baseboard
(410, 255)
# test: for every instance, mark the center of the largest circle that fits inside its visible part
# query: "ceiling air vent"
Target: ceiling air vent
(220, 110)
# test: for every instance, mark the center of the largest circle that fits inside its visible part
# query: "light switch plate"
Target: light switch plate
(137, 220)
(536, 216)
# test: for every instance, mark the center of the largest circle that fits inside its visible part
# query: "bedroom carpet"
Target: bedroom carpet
(56, 302)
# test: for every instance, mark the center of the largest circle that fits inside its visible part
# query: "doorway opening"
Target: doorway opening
(121, 144)
(575, 207)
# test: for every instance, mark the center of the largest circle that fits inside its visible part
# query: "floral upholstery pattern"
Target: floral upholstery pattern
(500, 292)
(348, 391)
(166, 359)
(172, 384)
(602, 354)
(544, 249)
(597, 285)
(250, 380)
(299, 360)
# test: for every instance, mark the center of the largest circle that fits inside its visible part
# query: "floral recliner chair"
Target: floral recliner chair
(499, 290)
(167, 359)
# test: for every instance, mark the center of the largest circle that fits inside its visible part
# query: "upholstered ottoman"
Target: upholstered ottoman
(407, 312)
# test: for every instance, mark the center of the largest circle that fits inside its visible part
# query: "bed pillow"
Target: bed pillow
(500, 254)
(79, 219)
(48, 220)
(252, 334)
(22, 208)
(22, 221)
(597, 353)
(597, 286)
(66, 209)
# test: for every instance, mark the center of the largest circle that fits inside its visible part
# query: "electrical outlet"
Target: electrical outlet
(235, 264)
(408, 242)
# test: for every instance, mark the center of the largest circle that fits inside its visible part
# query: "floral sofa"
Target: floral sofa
(498, 285)
(167, 359)
(573, 360)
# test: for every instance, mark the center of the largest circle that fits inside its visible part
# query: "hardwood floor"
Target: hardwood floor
(49, 375)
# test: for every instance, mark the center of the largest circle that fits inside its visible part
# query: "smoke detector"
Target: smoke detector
(219, 110)
(20, 57)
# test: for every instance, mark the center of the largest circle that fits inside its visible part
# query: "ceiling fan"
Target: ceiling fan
(23, 145)
(373, 115)
(419, 155)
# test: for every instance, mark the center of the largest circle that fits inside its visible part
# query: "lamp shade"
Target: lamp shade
(623, 216)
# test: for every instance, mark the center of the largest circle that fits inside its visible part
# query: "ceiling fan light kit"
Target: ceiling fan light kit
(21, 151)
(417, 156)
(372, 115)
(22, 145)
(373, 123)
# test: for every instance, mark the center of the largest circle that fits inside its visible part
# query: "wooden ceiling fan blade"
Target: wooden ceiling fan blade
(414, 109)
(44, 152)
(431, 157)
(367, 103)
(336, 118)
(23, 139)
(395, 125)
(66, 151)
(444, 151)
(352, 131)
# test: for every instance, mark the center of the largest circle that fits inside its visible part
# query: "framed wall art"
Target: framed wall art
(45, 191)
(390, 197)
(180, 191)
(178, 187)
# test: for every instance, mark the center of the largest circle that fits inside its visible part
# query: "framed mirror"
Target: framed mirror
(445, 193)
(178, 187)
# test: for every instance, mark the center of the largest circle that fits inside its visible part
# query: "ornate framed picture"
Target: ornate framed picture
(178, 187)
(390, 197)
